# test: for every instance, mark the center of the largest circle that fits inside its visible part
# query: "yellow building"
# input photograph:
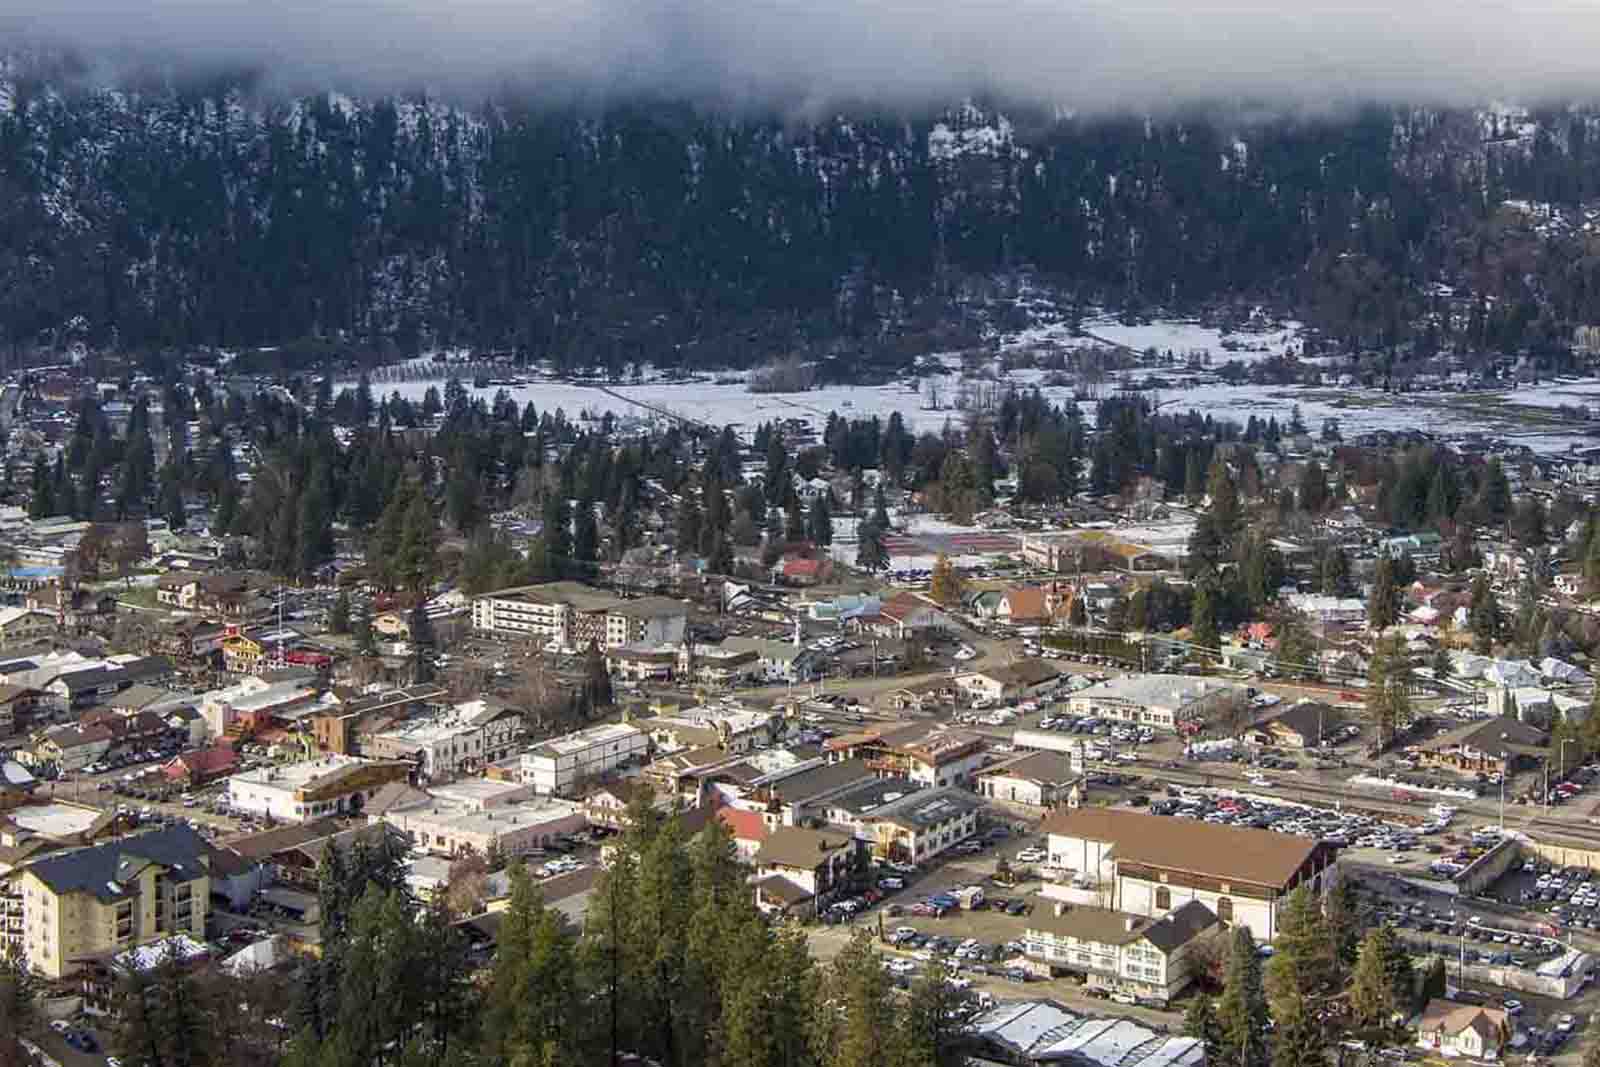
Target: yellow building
(95, 902)
(240, 653)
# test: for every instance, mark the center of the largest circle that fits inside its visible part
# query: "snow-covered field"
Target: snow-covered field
(1181, 338)
(1358, 411)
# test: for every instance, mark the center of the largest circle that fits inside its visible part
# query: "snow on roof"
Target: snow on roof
(178, 947)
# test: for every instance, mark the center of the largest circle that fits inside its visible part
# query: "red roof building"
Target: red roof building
(749, 829)
(202, 765)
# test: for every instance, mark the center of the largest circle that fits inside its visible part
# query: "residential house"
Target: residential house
(16, 709)
(1471, 1030)
(69, 748)
(339, 729)
(729, 727)
(1119, 952)
(202, 766)
(901, 616)
(1304, 724)
(73, 610)
(800, 870)
(1024, 606)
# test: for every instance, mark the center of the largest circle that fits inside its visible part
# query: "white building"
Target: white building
(561, 765)
(1119, 952)
(574, 615)
(921, 825)
(311, 789)
(446, 828)
(1039, 779)
(1151, 865)
(1164, 700)
(464, 739)
(1326, 609)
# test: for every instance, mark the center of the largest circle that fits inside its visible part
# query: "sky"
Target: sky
(1078, 55)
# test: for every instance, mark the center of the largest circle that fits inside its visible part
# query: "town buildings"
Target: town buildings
(1166, 701)
(311, 789)
(1041, 779)
(113, 896)
(562, 765)
(461, 740)
(799, 870)
(1150, 865)
(1121, 952)
(575, 615)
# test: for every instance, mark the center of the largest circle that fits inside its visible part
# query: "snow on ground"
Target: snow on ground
(1180, 337)
(1563, 392)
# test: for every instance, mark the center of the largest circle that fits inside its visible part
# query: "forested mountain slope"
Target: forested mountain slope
(165, 218)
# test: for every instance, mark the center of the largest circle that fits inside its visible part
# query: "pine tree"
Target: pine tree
(1304, 962)
(585, 533)
(1389, 686)
(1483, 616)
(366, 641)
(1242, 1008)
(1203, 625)
(819, 521)
(934, 1018)
(871, 555)
(880, 510)
(1372, 990)
(424, 645)
(1384, 603)
(1201, 1021)
(861, 1032)
(339, 614)
(20, 989)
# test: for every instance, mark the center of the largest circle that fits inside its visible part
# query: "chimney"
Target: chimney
(1061, 908)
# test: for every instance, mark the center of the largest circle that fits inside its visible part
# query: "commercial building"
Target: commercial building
(1042, 779)
(1305, 724)
(921, 825)
(340, 729)
(1015, 681)
(562, 765)
(928, 754)
(799, 870)
(108, 898)
(461, 740)
(298, 792)
(1035, 1033)
(727, 726)
(574, 615)
(1167, 701)
(1151, 865)
(1119, 952)
(453, 827)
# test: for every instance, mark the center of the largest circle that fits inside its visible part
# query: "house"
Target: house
(1119, 952)
(114, 896)
(748, 828)
(796, 570)
(21, 625)
(800, 870)
(729, 727)
(194, 592)
(16, 709)
(339, 729)
(201, 766)
(1025, 606)
(900, 616)
(645, 663)
(74, 609)
(1150, 865)
(776, 661)
(460, 740)
(1463, 1029)
(1038, 779)
(70, 748)
(1015, 681)
(795, 794)
(1304, 724)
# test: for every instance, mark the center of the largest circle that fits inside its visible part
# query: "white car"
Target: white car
(1031, 855)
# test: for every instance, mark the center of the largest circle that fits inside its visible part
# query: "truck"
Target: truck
(970, 897)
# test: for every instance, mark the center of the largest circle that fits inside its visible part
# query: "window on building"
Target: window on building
(1163, 897)
(1225, 909)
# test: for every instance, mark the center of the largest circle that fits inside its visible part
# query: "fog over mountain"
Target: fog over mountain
(1084, 55)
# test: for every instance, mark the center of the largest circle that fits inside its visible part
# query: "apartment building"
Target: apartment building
(576, 615)
(1118, 952)
(925, 752)
(561, 765)
(115, 896)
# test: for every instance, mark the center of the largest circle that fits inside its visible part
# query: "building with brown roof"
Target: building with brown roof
(925, 752)
(1118, 951)
(1152, 864)
(801, 870)
(1462, 1029)
(1040, 779)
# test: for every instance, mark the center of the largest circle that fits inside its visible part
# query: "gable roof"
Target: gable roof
(1307, 717)
(744, 825)
(1026, 602)
(1449, 1017)
(1232, 853)
(799, 847)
